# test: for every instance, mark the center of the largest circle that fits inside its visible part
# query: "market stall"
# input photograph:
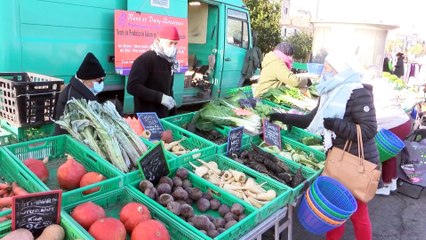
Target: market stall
(216, 173)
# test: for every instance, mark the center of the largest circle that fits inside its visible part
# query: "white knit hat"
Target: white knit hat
(337, 62)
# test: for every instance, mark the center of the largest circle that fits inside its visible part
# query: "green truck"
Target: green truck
(52, 37)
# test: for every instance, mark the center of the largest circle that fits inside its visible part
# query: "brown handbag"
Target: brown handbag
(358, 175)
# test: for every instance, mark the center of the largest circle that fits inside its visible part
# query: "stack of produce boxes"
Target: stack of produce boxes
(20, 101)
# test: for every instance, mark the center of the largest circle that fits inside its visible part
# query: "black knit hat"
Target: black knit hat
(285, 48)
(90, 68)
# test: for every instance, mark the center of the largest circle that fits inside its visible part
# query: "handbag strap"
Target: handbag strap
(360, 146)
(348, 145)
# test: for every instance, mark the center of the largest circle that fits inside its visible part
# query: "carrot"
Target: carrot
(3, 191)
(17, 190)
(4, 185)
(5, 202)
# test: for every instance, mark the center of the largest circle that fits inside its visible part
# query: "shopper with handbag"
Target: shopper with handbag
(344, 103)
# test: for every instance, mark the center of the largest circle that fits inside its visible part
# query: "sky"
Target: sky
(409, 15)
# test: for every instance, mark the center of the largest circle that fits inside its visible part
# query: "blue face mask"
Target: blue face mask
(327, 76)
(97, 88)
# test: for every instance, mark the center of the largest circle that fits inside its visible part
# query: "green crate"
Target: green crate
(183, 119)
(72, 231)
(300, 66)
(11, 171)
(6, 137)
(112, 202)
(248, 91)
(192, 141)
(283, 192)
(319, 155)
(28, 133)
(234, 232)
(308, 173)
(298, 134)
(56, 148)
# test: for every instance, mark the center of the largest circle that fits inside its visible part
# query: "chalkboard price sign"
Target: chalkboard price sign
(151, 122)
(271, 134)
(153, 164)
(235, 138)
(36, 211)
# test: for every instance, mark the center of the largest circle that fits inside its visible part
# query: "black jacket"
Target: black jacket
(252, 61)
(359, 110)
(399, 67)
(75, 89)
(150, 78)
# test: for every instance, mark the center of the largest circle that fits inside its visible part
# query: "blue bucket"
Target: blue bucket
(335, 196)
(310, 221)
(389, 141)
(324, 211)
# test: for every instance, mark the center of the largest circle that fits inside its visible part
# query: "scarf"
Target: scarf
(286, 60)
(158, 49)
(334, 94)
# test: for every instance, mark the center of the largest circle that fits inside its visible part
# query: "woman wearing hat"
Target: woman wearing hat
(344, 102)
(151, 77)
(85, 84)
(276, 66)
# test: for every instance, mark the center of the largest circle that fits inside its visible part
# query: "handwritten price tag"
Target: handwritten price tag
(36, 211)
(271, 134)
(235, 137)
(153, 164)
(151, 122)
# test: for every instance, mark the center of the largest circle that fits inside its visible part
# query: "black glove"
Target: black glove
(280, 117)
(329, 123)
(277, 117)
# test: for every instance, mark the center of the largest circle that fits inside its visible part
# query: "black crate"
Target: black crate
(28, 99)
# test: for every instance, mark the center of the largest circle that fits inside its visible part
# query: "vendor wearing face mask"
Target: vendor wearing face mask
(151, 77)
(85, 84)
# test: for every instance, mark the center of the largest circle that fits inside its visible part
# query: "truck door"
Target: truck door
(237, 42)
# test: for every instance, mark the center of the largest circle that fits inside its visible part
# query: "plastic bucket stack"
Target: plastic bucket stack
(327, 204)
(388, 144)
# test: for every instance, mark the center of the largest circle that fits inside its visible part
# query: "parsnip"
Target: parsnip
(168, 146)
(238, 176)
(268, 196)
(200, 171)
(212, 166)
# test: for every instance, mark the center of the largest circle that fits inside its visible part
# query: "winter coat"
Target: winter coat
(274, 74)
(399, 67)
(252, 62)
(359, 110)
(75, 89)
(150, 78)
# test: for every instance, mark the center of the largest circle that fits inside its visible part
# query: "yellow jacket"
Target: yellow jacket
(275, 73)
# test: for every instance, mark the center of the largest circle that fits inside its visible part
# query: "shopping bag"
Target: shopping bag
(358, 175)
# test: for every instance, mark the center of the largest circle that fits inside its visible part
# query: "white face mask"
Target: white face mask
(170, 51)
(97, 87)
